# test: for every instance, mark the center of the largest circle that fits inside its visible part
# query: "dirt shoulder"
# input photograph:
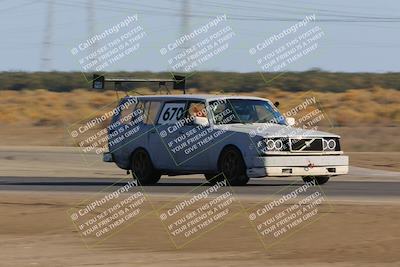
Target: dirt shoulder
(36, 230)
(388, 161)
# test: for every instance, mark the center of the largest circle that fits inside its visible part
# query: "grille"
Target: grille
(306, 144)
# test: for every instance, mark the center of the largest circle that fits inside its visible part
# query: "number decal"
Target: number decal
(171, 113)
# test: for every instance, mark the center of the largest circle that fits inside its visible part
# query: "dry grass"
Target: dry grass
(41, 117)
(43, 108)
(367, 107)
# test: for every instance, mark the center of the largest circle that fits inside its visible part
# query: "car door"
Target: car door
(181, 127)
(196, 132)
(162, 137)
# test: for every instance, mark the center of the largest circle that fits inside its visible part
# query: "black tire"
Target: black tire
(142, 168)
(320, 180)
(232, 165)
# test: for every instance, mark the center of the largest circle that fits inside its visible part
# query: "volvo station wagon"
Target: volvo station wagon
(221, 137)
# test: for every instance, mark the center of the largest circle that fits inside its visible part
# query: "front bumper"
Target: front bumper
(299, 166)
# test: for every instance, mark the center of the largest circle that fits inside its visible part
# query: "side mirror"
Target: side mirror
(203, 121)
(291, 121)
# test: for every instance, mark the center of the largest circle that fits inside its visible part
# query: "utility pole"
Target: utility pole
(185, 12)
(48, 37)
(185, 25)
(91, 24)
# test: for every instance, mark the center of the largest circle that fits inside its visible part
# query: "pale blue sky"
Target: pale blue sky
(366, 45)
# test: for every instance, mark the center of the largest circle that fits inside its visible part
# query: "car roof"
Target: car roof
(205, 97)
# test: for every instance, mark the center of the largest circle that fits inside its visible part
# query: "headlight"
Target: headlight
(278, 144)
(270, 144)
(331, 144)
(273, 144)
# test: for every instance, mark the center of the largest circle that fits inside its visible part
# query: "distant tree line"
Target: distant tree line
(212, 81)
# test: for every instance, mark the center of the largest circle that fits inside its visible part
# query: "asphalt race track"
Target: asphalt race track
(61, 169)
(181, 185)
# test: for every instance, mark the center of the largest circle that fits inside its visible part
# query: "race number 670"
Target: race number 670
(171, 112)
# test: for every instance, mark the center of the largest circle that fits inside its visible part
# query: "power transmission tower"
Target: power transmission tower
(48, 37)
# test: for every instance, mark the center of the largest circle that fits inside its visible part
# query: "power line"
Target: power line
(325, 12)
(20, 5)
(198, 14)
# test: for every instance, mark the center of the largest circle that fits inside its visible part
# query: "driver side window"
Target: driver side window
(197, 114)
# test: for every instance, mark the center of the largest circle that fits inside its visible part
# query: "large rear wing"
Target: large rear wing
(179, 82)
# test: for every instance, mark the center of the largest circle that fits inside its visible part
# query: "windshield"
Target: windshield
(245, 111)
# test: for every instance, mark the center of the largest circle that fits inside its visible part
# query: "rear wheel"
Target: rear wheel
(232, 165)
(142, 168)
(318, 179)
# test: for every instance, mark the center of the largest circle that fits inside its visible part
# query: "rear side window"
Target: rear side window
(142, 112)
(126, 112)
(151, 111)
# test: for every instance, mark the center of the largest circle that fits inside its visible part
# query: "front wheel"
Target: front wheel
(232, 165)
(142, 168)
(318, 179)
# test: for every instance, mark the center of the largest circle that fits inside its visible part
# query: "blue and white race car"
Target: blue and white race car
(239, 137)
